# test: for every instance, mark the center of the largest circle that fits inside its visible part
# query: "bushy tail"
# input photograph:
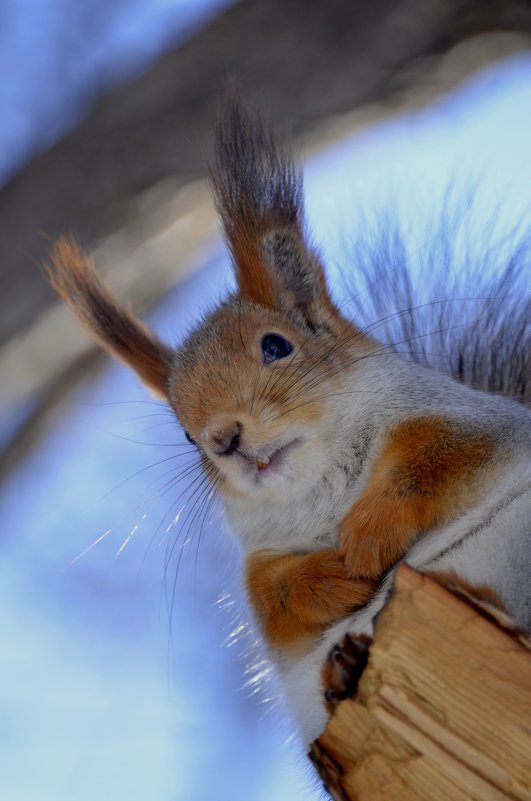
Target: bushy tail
(461, 305)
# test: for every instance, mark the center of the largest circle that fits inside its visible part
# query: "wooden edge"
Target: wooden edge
(443, 709)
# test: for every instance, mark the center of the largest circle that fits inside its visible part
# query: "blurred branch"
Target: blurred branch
(307, 59)
(140, 262)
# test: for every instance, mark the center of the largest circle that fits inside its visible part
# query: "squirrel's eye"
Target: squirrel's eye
(189, 438)
(275, 347)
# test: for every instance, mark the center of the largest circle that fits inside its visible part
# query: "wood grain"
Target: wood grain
(443, 710)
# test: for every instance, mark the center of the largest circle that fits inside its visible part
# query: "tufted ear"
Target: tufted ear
(259, 196)
(73, 276)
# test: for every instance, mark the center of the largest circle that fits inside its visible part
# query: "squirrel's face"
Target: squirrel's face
(258, 384)
(253, 390)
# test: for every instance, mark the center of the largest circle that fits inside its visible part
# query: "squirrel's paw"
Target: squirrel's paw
(331, 590)
(343, 669)
(365, 557)
(296, 596)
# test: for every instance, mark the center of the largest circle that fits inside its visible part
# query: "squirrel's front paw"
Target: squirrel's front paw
(365, 557)
(296, 596)
(343, 669)
(318, 591)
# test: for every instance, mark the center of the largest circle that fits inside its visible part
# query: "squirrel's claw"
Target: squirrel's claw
(343, 669)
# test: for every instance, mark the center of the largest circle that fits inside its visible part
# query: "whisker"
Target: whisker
(139, 442)
(358, 334)
(147, 467)
(206, 490)
(202, 482)
(170, 548)
(368, 329)
(200, 515)
(168, 413)
(90, 547)
(327, 318)
(160, 404)
(383, 349)
(189, 470)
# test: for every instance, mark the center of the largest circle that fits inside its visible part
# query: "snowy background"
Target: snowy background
(124, 656)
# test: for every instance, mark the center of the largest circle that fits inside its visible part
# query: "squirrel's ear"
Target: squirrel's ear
(72, 274)
(259, 196)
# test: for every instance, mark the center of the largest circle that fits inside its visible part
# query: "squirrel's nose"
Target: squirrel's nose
(226, 440)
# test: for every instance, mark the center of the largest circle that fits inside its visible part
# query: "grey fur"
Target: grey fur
(466, 313)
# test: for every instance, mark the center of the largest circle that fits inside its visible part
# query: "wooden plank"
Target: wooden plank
(443, 710)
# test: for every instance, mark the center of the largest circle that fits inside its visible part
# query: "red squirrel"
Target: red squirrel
(335, 457)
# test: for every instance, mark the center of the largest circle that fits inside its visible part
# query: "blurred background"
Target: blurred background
(128, 667)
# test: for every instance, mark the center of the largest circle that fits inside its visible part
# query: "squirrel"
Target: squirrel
(336, 458)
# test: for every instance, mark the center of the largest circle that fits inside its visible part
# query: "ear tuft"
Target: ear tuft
(257, 189)
(73, 276)
(259, 196)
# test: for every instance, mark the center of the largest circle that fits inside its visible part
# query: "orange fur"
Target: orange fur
(73, 276)
(227, 388)
(296, 596)
(426, 474)
(258, 280)
(252, 275)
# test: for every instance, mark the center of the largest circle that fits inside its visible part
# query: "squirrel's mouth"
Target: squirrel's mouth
(260, 464)
(268, 464)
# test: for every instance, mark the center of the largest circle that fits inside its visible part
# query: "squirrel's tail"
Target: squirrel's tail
(460, 304)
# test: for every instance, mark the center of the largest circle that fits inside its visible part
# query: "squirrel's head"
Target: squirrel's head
(254, 384)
